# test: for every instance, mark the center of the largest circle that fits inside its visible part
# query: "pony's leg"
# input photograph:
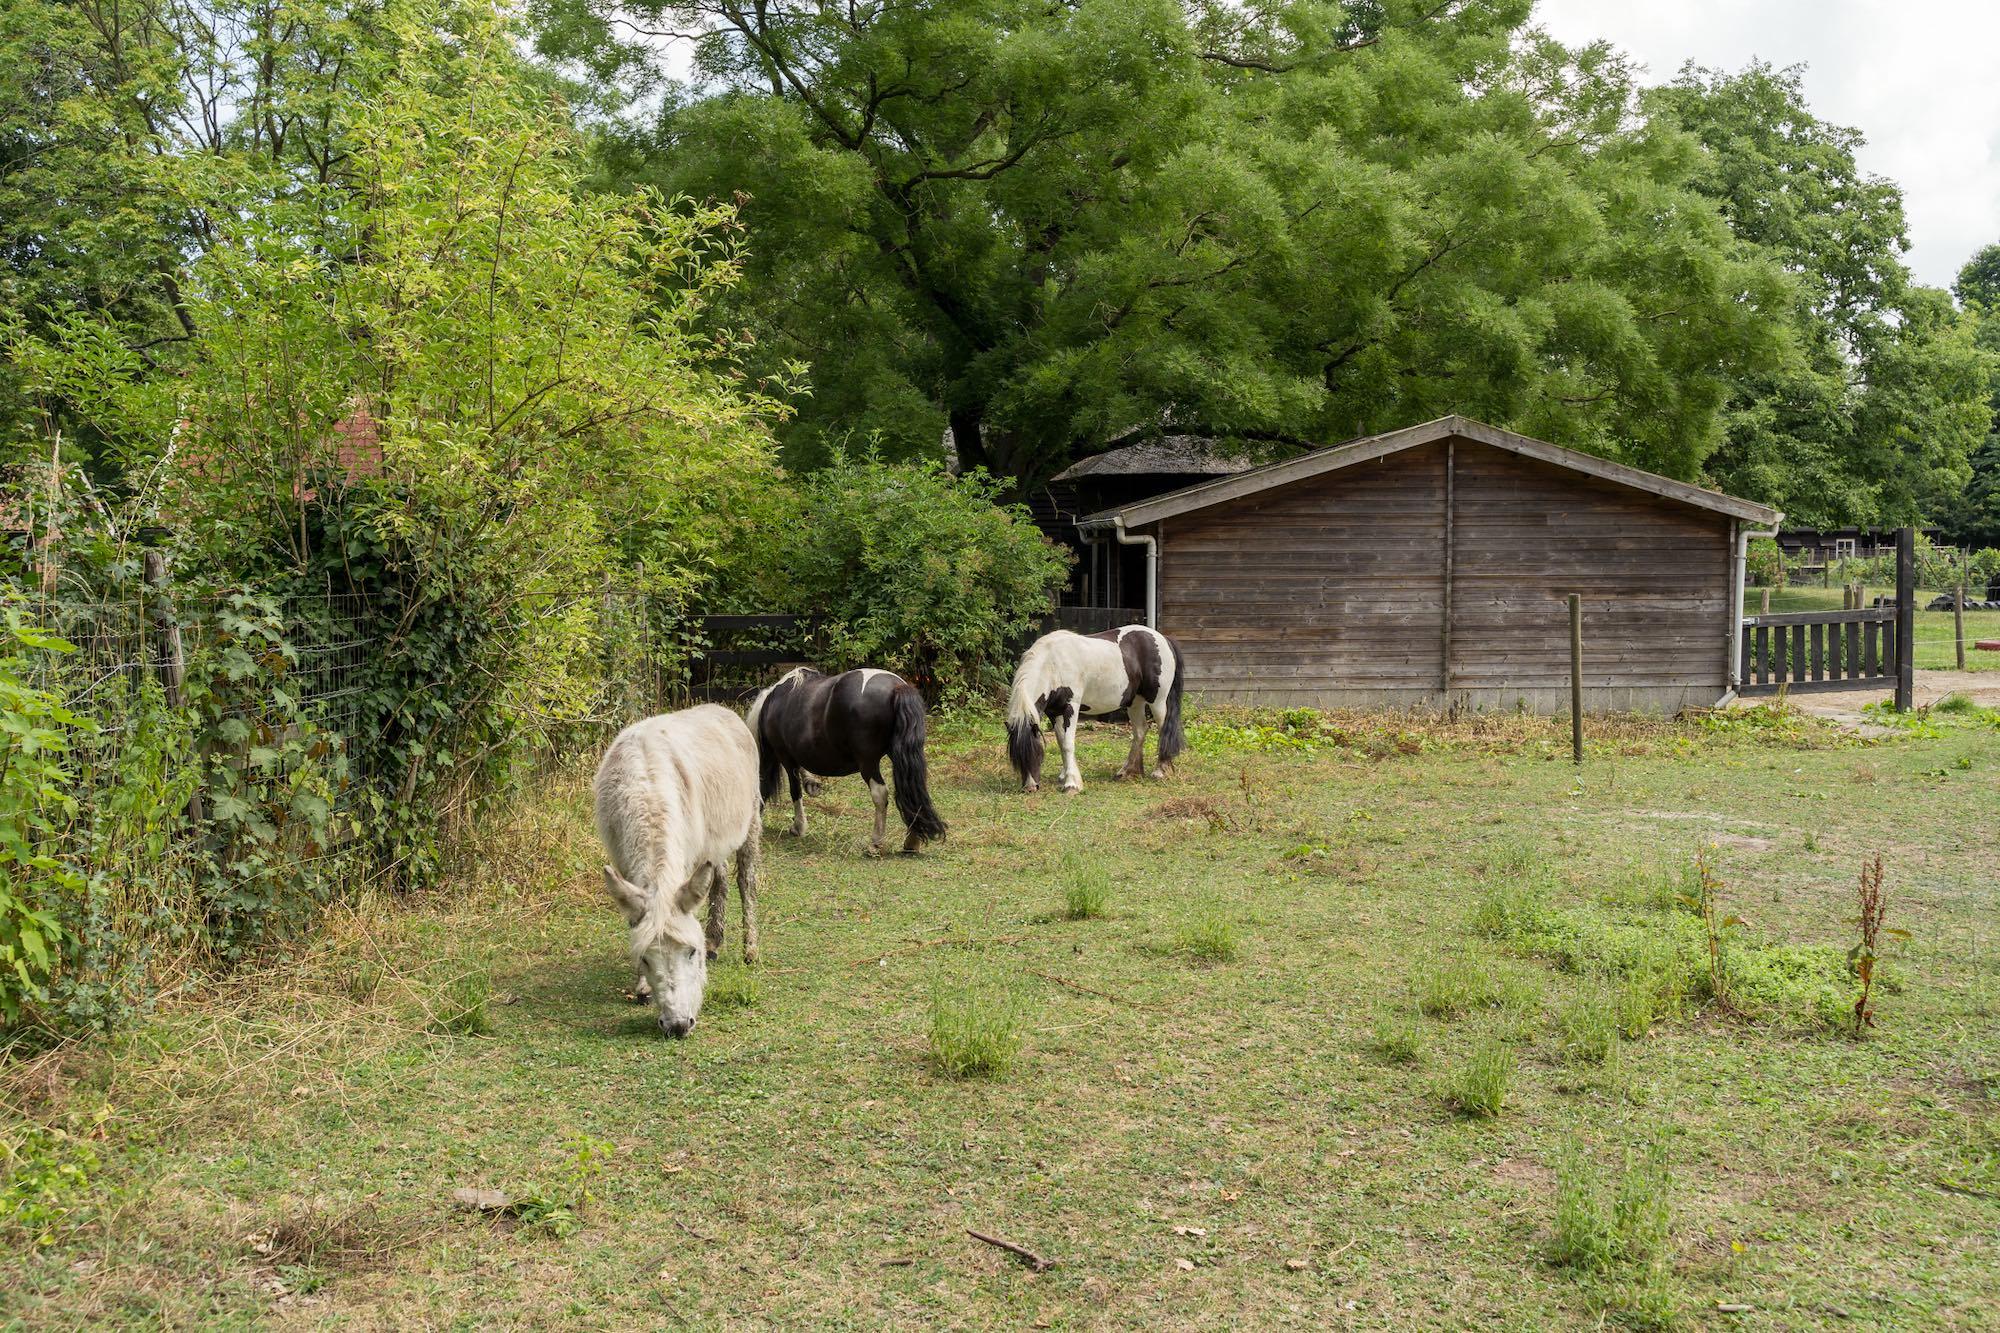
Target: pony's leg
(878, 792)
(746, 889)
(718, 907)
(1135, 762)
(798, 804)
(1162, 768)
(1066, 738)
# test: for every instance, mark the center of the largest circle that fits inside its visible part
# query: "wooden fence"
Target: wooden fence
(1804, 651)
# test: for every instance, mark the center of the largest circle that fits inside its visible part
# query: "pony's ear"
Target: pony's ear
(631, 899)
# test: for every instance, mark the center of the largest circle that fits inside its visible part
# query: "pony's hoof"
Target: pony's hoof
(872, 849)
(1161, 772)
(911, 846)
(749, 955)
(1072, 788)
(1031, 786)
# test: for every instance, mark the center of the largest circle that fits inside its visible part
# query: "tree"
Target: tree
(1038, 226)
(1872, 418)
(1979, 281)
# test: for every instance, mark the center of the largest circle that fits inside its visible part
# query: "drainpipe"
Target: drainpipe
(1738, 578)
(1152, 545)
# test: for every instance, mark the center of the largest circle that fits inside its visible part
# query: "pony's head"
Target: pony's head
(1027, 703)
(668, 950)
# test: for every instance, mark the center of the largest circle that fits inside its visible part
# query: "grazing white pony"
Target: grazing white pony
(676, 798)
(1062, 675)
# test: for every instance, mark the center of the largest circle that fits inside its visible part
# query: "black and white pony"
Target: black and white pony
(811, 723)
(1063, 675)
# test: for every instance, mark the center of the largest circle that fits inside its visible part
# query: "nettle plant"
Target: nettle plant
(38, 734)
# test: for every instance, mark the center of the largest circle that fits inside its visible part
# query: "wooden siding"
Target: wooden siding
(1328, 586)
(1334, 589)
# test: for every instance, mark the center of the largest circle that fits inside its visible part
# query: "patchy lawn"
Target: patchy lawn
(1248, 1087)
(1935, 631)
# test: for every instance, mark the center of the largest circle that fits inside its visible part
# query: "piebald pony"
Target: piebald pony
(1064, 675)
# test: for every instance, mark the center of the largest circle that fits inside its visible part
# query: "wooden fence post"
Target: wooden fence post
(1958, 623)
(1576, 676)
(1906, 619)
(1765, 608)
(172, 659)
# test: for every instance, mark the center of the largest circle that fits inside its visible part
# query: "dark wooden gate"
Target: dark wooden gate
(1804, 651)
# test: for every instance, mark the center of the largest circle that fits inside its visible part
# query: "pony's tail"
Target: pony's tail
(906, 764)
(1172, 739)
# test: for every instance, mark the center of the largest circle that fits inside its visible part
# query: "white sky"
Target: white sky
(1919, 78)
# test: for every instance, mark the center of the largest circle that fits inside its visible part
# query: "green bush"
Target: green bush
(911, 568)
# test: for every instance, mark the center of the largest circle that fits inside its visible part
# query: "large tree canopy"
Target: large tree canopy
(1873, 419)
(1044, 225)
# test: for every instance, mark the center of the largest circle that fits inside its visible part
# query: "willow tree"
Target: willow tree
(1038, 226)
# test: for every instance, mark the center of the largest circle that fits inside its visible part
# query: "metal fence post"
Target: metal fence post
(1906, 619)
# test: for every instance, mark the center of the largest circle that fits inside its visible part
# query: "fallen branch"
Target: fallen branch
(1102, 995)
(1027, 1256)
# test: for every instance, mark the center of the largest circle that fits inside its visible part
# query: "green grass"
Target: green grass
(461, 1005)
(803, 1160)
(1479, 1086)
(975, 1030)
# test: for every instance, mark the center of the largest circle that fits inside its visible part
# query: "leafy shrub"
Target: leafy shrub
(37, 732)
(974, 1031)
(912, 569)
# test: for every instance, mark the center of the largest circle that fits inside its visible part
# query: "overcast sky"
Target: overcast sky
(1919, 78)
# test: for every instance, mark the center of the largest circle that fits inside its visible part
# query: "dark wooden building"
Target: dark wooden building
(1430, 567)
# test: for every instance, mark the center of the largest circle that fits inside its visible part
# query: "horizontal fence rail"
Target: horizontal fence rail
(1818, 650)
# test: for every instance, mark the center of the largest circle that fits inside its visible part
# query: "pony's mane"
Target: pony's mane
(1031, 679)
(757, 702)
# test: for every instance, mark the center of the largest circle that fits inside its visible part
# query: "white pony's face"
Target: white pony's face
(675, 964)
(670, 951)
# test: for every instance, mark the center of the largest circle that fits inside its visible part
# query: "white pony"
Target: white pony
(1134, 667)
(676, 798)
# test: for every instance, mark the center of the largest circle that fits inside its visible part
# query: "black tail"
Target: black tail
(1172, 739)
(906, 763)
(1024, 747)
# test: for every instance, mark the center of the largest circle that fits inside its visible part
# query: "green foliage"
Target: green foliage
(47, 1171)
(559, 1212)
(1587, 1028)
(733, 988)
(38, 734)
(975, 1031)
(1398, 1039)
(1043, 227)
(1872, 415)
(911, 568)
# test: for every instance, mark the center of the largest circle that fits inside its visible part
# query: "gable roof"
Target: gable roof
(1370, 447)
(1183, 455)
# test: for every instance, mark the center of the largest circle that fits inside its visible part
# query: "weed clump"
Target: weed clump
(1086, 889)
(1599, 1226)
(461, 1008)
(975, 1032)
(1398, 1040)
(1480, 1085)
(733, 988)
(1449, 987)
(1211, 937)
(1587, 1029)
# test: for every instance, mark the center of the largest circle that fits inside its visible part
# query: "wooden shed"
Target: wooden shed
(1429, 568)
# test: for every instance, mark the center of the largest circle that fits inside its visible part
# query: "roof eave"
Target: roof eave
(1370, 447)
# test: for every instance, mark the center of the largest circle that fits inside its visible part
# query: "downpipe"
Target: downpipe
(1738, 582)
(1152, 545)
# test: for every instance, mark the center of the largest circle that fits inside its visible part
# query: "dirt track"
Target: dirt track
(1846, 705)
